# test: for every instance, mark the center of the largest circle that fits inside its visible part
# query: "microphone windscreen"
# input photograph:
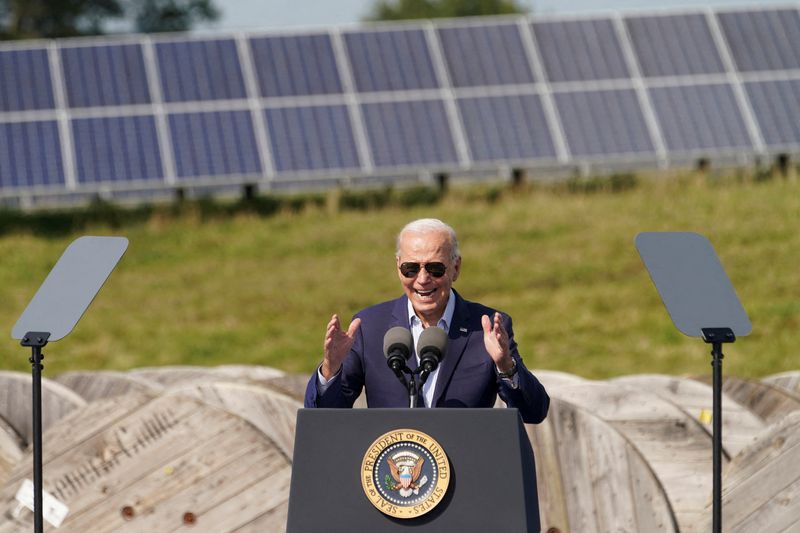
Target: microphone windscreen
(433, 339)
(398, 338)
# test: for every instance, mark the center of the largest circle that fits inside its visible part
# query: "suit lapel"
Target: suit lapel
(458, 336)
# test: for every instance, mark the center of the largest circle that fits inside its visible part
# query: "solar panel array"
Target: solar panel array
(498, 92)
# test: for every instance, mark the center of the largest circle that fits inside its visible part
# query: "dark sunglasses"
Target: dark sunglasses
(435, 269)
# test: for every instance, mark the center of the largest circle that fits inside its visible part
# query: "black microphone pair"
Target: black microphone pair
(398, 343)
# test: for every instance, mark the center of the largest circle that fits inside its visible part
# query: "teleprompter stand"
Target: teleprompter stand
(53, 312)
(701, 301)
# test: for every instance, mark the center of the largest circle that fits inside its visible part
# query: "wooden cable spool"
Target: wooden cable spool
(677, 447)
(739, 425)
(16, 401)
(141, 462)
(591, 478)
(761, 487)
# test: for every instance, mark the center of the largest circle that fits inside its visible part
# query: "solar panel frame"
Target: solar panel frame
(214, 143)
(660, 53)
(30, 155)
(25, 80)
(390, 59)
(700, 118)
(600, 58)
(106, 74)
(779, 126)
(298, 142)
(582, 112)
(209, 71)
(303, 57)
(528, 139)
(409, 133)
(482, 55)
(762, 40)
(116, 149)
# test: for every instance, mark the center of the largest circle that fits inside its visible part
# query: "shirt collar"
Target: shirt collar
(447, 316)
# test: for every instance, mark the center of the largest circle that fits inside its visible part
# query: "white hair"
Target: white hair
(431, 225)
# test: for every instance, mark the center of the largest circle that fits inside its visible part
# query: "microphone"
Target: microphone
(397, 348)
(431, 348)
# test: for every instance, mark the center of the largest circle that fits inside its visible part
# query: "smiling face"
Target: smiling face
(428, 295)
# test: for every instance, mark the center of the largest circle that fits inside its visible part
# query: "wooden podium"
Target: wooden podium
(491, 475)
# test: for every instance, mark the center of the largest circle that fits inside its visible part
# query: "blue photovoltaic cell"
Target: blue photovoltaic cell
(580, 50)
(603, 122)
(295, 65)
(25, 80)
(30, 154)
(763, 40)
(675, 45)
(390, 60)
(776, 105)
(506, 127)
(699, 117)
(105, 75)
(200, 70)
(311, 138)
(485, 55)
(409, 133)
(115, 149)
(214, 144)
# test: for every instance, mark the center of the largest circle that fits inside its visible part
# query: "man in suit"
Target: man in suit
(481, 362)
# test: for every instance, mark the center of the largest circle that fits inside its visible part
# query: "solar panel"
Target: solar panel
(393, 60)
(485, 55)
(675, 45)
(763, 40)
(312, 138)
(776, 105)
(295, 65)
(200, 70)
(607, 122)
(699, 117)
(214, 144)
(381, 102)
(116, 149)
(580, 50)
(25, 82)
(104, 75)
(30, 154)
(409, 133)
(506, 128)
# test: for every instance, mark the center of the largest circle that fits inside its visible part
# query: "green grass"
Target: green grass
(243, 288)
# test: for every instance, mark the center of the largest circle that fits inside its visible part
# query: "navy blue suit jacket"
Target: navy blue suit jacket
(467, 375)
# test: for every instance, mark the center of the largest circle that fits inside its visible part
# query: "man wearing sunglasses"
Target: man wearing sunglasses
(481, 362)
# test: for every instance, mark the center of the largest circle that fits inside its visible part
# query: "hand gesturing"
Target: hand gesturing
(337, 345)
(495, 338)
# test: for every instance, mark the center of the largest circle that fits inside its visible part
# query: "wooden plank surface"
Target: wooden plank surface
(591, 478)
(761, 488)
(97, 385)
(272, 412)
(676, 447)
(739, 426)
(767, 401)
(16, 403)
(141, 463)
(172, 375)
(788, 381)
(10, 453)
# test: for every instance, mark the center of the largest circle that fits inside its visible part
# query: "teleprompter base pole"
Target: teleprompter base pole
(716, 337)
(37, 340)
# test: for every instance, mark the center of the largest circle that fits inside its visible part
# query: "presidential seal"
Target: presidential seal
(405, 473)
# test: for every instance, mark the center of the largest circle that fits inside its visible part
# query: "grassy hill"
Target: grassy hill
(245, 288)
